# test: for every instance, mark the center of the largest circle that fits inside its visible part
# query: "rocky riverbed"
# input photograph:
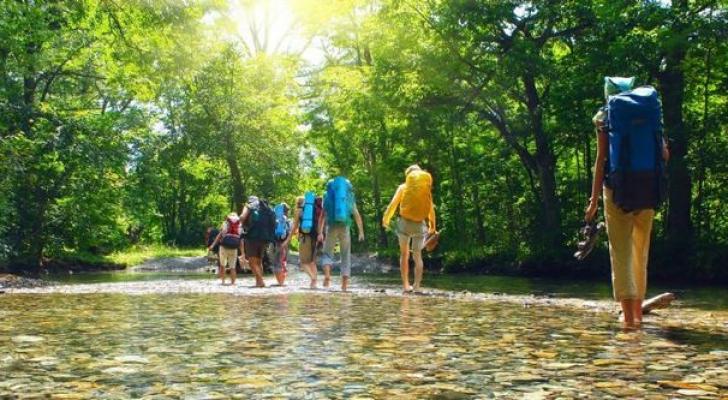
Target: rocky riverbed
(676, 317)
(9, 281)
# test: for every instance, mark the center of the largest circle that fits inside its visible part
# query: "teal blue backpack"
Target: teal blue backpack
(308, 212)
(339, 200)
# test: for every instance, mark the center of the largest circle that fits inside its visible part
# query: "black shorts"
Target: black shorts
(254, 248)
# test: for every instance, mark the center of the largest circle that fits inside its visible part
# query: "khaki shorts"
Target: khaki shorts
(254, 248)
(228, 257)
(306, 248)
(410, 230)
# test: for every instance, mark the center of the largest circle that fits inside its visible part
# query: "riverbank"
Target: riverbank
(9, 281)
(75, 262)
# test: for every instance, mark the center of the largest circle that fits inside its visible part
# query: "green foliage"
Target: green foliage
(136, 122)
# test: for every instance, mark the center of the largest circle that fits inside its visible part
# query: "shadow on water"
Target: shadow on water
(701, 297)
(698, 338)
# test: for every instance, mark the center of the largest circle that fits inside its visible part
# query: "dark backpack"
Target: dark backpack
(261, 223)
(636, 170)
(231, 240)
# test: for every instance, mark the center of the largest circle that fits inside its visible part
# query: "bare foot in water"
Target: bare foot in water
(628, 327)
(327, 282)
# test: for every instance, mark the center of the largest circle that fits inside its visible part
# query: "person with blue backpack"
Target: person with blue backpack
(283, 238)
(338, 212)
(305, 225)
(630, 169)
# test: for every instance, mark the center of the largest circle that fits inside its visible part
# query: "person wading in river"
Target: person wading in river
(283, 238)
(259, 221)
(416, 217)
(630, 163)
(229, 239)
(339, 208)
(305, 224)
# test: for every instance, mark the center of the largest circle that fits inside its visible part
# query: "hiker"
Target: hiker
(210, 236)
(305, 224)
(229, 240)
(283, 238)
(339, 208)
(416, 218)
(259, 221)
(630, 164)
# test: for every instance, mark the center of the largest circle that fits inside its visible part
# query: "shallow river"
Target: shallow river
(333, 345)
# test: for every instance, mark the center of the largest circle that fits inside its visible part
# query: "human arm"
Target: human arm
(432, 220)
(242, 258)
(599, 163)
(296, 217)
(287, 240)
(359, 223)
(321, 225)
(665, 149)
(223, 230)
(244, 215)
(392, 207)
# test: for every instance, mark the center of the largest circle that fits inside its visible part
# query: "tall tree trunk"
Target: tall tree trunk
(236, 178)
(672, 84)
(478, 212)
(545, 166)
(377, 193)
(701, 226)
(458, 193)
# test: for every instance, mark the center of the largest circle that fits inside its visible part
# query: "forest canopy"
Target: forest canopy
(139, 121)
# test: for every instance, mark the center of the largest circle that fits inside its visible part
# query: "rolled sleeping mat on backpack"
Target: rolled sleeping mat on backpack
(307, 217)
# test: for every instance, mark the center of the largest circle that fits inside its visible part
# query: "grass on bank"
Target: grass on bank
(138, 254)
(134, 255)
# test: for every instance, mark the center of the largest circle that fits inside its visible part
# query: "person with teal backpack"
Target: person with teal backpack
(305, 226)
(260, 225)
(338, 211)
(631, 163)
(283, 238)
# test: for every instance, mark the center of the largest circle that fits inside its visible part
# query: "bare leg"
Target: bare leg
(311, 268)
(233, 274)
(307, 269)
(327, 275)
(628, 313)
(220, 267)
(418, 269)
(404, 264)
(281, 278)
(256, 264)
(637, 311)
(344, 283)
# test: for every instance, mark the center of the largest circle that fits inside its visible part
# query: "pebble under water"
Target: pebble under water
(334, 345)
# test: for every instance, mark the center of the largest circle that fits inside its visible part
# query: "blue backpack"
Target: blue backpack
(281, 231)
(636, 170)
(339, 200)
(307, 215)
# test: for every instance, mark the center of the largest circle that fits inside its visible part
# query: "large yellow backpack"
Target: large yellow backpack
(417, 197)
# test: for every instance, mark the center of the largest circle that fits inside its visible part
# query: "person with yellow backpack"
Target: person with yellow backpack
(416, 218)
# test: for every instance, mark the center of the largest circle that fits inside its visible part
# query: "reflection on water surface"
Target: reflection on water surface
(335, 346)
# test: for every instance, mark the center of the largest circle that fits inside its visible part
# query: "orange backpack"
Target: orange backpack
(417, 196)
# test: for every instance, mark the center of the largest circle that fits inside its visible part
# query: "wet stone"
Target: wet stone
(324, 345)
